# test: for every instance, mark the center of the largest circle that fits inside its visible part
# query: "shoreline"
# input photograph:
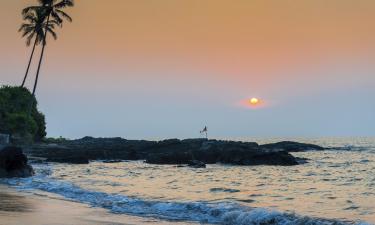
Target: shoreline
(19, 208)
(97, 198)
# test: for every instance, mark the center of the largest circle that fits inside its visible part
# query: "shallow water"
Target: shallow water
(42, 208)
(336, 184)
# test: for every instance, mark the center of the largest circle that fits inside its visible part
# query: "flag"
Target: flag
(204, 130)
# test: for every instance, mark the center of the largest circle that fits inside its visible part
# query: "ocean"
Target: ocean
(336, 186)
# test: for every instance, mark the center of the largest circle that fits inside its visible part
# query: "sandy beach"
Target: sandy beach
(18, 208)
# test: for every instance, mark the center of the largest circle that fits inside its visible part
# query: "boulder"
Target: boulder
(13, 163)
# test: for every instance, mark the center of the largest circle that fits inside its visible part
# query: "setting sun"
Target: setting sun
(254, 101)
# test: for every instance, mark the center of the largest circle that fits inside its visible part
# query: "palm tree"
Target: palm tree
(49, 8)
(34, 28)
(52, 8)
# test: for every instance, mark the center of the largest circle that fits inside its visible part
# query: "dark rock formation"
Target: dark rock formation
(113, 161)
(227, 152)
(291, 146)
(72, 160)
(92, 149)
(196, 164)
(171, 151)
(169, 158)
(13, 163)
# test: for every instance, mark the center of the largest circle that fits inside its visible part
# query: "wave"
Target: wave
(225, 213)
(352, 148)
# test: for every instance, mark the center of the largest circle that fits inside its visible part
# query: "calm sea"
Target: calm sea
(335, 186)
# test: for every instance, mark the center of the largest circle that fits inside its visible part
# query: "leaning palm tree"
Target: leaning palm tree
(50, 8)
(54, 9)
(34, 29)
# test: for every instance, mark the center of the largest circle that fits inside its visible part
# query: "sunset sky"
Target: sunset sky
(167, 68)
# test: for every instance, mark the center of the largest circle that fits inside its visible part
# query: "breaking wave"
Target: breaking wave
(203, 212)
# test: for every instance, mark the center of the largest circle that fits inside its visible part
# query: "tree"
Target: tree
(14, 118)
(50, 9)
(34, 28)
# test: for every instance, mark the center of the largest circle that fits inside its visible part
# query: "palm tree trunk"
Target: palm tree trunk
(28, 66)
(40, 59)
(39, 65)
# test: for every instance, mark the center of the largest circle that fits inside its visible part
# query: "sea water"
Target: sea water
(336, 186)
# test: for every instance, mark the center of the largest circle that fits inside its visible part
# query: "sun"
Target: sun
(254, 101)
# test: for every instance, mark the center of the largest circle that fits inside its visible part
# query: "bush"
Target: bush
(14, 118)
(52, 140)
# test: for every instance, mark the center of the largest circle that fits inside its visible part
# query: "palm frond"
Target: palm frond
(40, 35)
(37, 25)
(28, 31)
(53, 33)
(56, 17)
(23, 26)
(30, 38)
(30, 17)
(64, 14)
(53, 22)
(64, 4)
(29, 9)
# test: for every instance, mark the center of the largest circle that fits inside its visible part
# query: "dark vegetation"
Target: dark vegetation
(14, 116)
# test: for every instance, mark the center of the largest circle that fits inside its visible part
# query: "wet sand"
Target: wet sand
(18, 208)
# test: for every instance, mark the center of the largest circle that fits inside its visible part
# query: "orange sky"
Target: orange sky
(224, 37)
(186, 47)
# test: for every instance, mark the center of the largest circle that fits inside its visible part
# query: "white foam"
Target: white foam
(204, 212)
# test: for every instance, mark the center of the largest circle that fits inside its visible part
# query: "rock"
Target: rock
(169, 158)
(196, 164)
(291, 146)
(13, 163)
(227, 152)
(94, 149)
(36, 160)
(171, 151)
(72, 160)
(4, 139)
(112, 161)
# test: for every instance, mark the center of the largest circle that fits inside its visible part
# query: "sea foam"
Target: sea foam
(226, 213)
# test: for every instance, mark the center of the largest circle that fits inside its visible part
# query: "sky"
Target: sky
(155, 69)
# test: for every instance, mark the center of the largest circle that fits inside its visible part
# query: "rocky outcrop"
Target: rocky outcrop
(213, 151)
(92, 149)
(291, 146)
(171, 151)
(13, 163)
